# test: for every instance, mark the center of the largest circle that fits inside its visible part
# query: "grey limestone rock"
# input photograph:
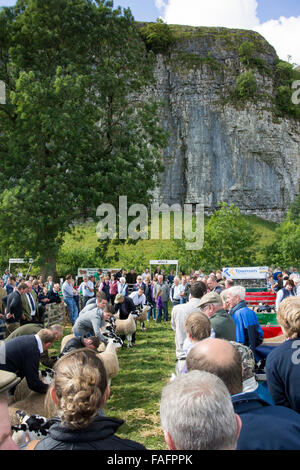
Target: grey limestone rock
(217, 151)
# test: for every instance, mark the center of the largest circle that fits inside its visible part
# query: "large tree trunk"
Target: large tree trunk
(48, 267)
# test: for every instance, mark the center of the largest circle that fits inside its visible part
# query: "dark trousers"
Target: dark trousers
(165, 310)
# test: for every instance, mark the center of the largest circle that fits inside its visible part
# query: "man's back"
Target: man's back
(28, 329)
(73, 343)
(22, 356)
(266, 427)
(248, 329)
(223, 325)
(86, 317)
(14, 306)
(178, 317)
(283, 374)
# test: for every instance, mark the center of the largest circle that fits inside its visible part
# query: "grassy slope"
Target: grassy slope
(152, 249)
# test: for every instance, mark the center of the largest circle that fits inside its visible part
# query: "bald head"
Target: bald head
(218, 357)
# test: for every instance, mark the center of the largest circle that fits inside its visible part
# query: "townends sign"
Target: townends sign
(246, 273)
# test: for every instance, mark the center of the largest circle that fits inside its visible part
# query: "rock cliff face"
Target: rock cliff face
(218, 150)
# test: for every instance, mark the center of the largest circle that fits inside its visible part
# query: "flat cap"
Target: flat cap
(8, 380)
(118, 298)
(210, 298)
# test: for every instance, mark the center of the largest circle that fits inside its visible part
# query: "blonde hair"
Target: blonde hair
(80, 384)
(198, 326)
(288, 316)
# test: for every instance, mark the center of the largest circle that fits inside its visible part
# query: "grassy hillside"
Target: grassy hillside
(79, 247)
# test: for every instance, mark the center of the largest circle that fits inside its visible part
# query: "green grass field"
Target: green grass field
(136, 391)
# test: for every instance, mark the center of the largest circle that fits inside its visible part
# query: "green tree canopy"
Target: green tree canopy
(73, 132)
(158, 36)
(246, 86)
(228, 241)
(285, 251)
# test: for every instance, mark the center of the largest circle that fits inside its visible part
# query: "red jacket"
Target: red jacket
(113, 287)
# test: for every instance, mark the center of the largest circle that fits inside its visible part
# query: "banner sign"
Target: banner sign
(166, 261)
(246, 273)
(20, 260)
(92, 271)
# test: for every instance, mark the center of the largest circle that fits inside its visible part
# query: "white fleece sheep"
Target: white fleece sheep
(22, 389)
(110, 361)
(143, 316)
(126, 327)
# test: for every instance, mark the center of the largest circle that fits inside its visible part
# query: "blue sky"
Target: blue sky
(277, 20)
(145, 10)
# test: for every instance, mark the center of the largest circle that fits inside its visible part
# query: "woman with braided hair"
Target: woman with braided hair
(79, 390)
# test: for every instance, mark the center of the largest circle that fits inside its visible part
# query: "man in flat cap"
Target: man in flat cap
(221, 322)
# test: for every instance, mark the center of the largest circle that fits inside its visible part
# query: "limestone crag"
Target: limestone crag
(219, 150)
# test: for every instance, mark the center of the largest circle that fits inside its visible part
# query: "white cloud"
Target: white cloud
(283, 33)
(226, 13)
(160, 4)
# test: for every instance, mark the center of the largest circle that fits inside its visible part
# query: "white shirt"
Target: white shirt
(178, 317)
(40, 344)
(176, 290)
(138, 299)
(84, 288)
(32, 311)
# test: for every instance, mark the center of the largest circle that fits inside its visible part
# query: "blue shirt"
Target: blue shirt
(248, 329)
(67, 290)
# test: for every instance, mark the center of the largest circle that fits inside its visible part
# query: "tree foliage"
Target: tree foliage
(285, 251)
(158, 36)
(246, 86)
(248, 52)
(285, 75)
(228, 241)
(73, 132)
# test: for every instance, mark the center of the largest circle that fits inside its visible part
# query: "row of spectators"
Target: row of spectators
(23, 302)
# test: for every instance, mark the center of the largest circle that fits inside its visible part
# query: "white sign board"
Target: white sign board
(246, 273)
(159, 262)
(20, 260)
(166, 261)
(92, 271)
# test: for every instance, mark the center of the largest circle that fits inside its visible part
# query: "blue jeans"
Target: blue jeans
(159, 313)
(165, 310)
(73, 309)
(152, 310)
(78, 332)
(183, 300)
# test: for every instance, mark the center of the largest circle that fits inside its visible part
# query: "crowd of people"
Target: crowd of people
(213, 400)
